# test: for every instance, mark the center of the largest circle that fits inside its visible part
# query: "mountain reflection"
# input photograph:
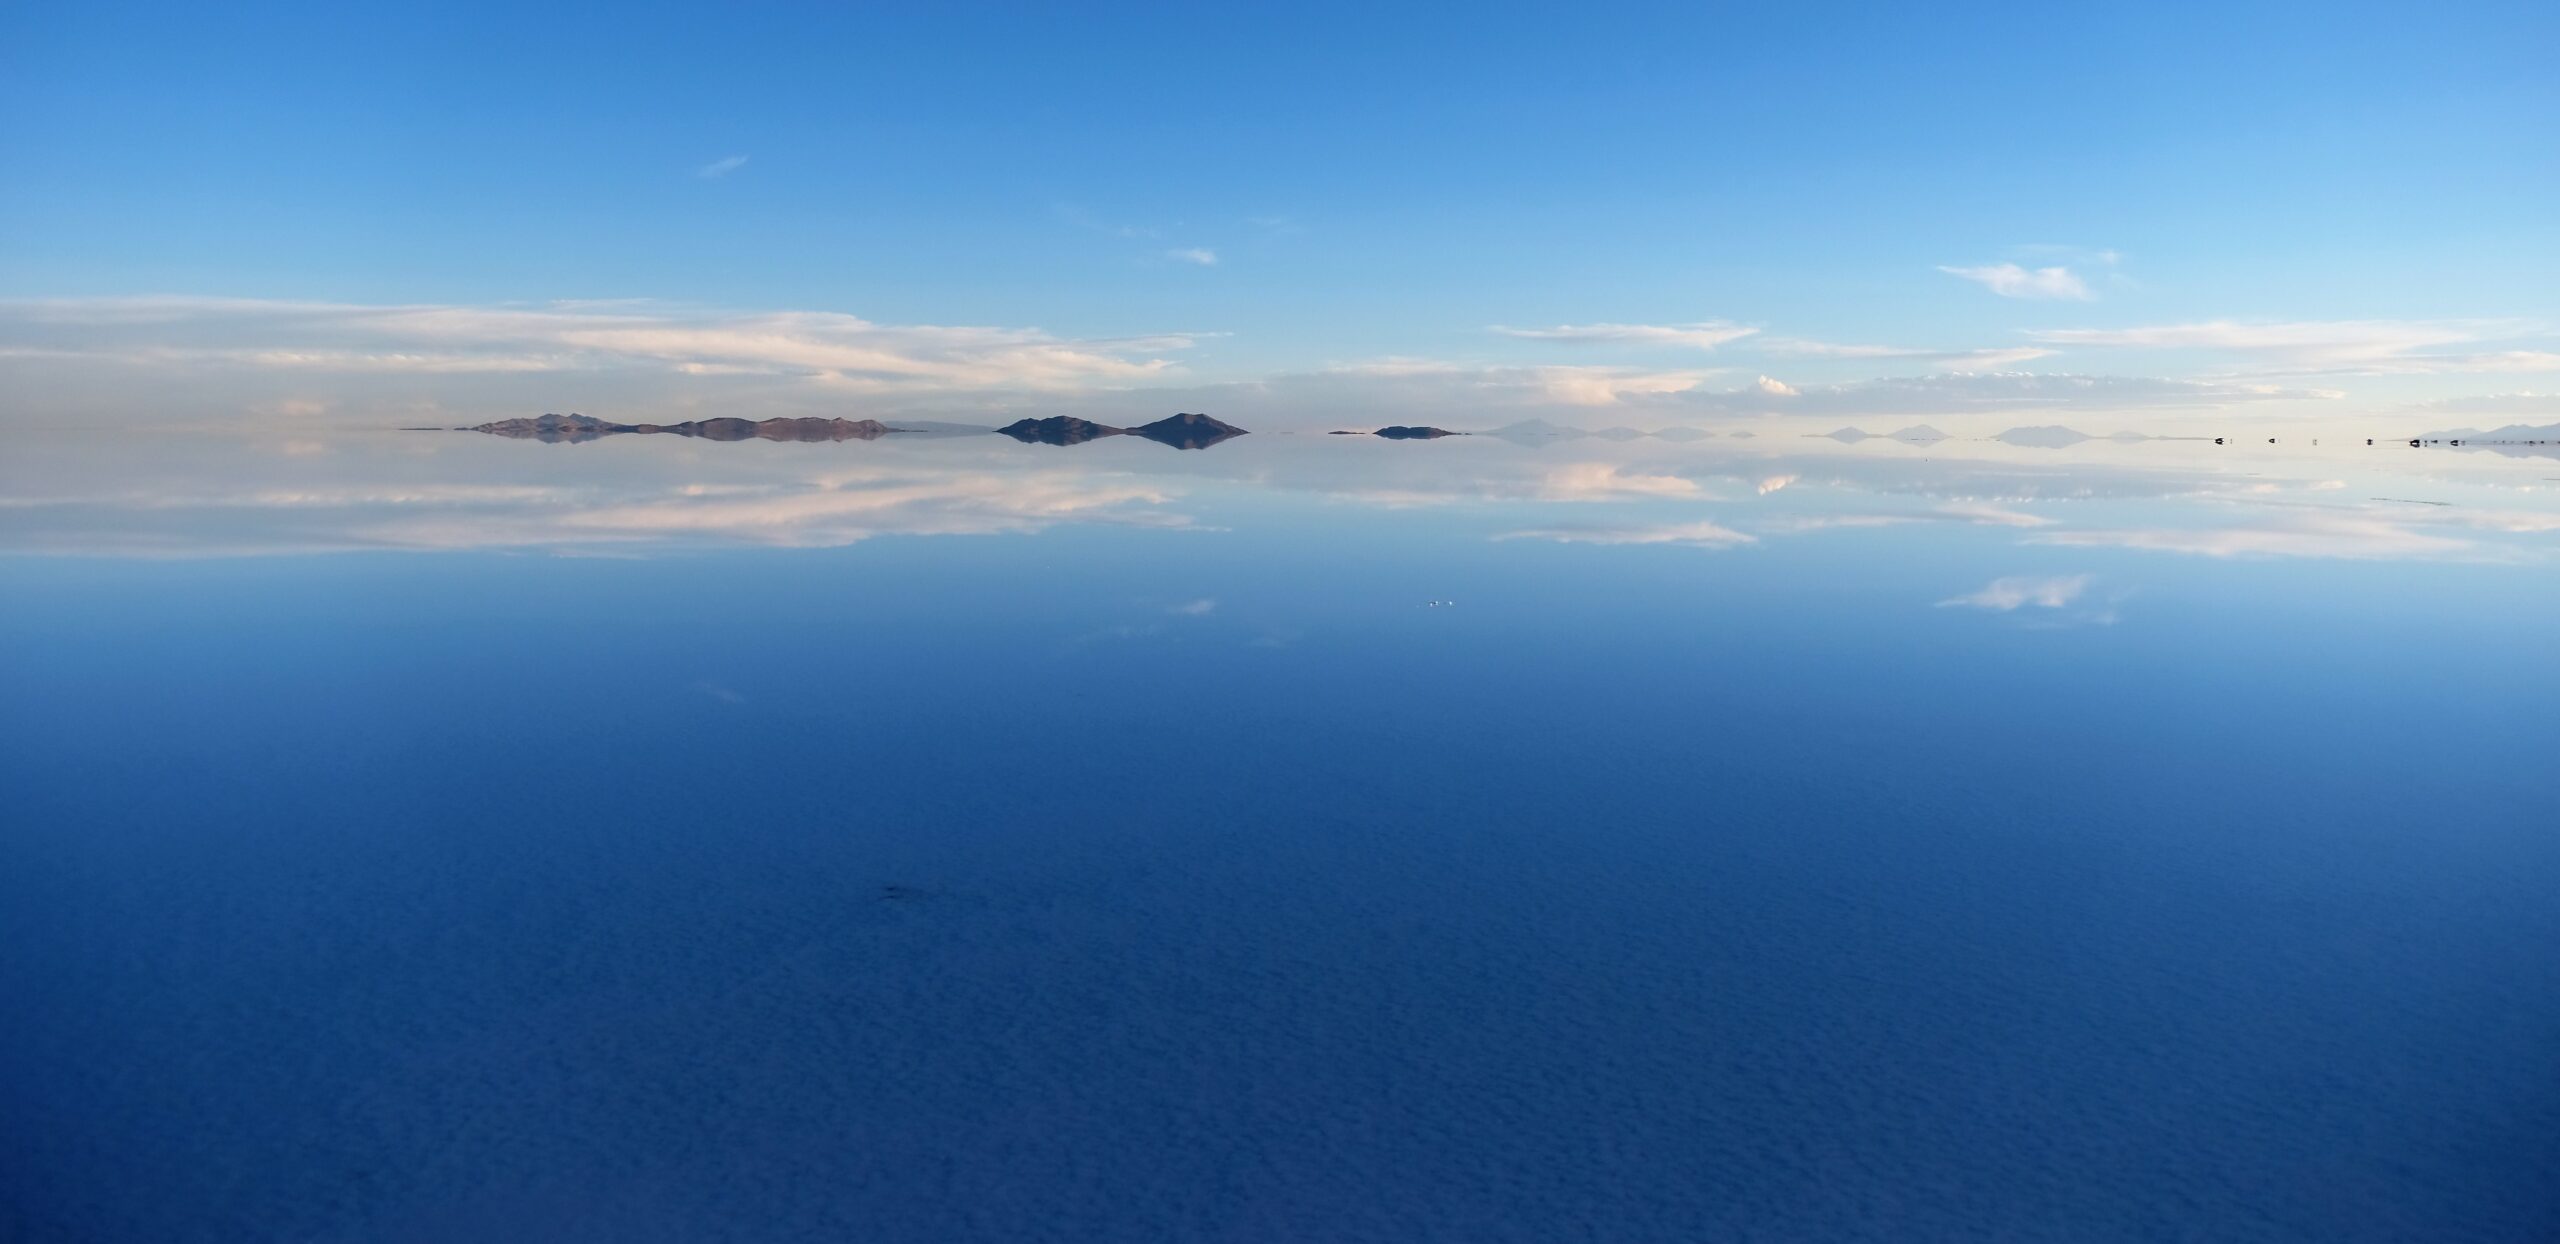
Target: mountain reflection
(1719, 495)
(570, 428)
(1182, 431)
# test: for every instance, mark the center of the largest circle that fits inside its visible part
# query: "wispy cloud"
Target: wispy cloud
(2096, 257)
(1964, 392)
(816, 347)
(1704, 535)
(1561, 385)
(720, 168)
(1704, 335)
(2012, 281)
(2016, 592)
(2325, 535)
(2317, 347)
(1200, 255)
(1990, 358)
(1194, 608)
(2525, 405)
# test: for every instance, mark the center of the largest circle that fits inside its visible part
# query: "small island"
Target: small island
(1181, 431)
(1058, 430)
(1400, 432)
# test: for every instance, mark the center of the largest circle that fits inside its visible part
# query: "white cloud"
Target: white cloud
(1200, 255)
(2527, 404)
(1704, 335)
(2331, 346)
(1964, 392)
(1561, 385)
(2006, 595)
(1990, 357)
(1704, 535)
(813, 347)
(2011, 281)
(720, 168)
(1775, 387)
(1775, 482)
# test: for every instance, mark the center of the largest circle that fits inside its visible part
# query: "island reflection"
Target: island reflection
(203, 494)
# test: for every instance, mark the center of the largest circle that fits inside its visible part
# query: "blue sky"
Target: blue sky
(2308, 204)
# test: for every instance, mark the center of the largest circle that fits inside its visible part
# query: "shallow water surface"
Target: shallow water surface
(436, 835)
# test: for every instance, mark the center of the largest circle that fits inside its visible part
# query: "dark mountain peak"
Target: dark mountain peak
(1058, 430)
(553, 428)
(1188, 431)
(1400, 432)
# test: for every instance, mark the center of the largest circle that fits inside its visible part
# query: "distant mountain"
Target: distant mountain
(1531, 428)
(1187, 431)
(2513, 432)
(1915, 433)
(1619, 434)
(557, 428)
(1683, 434)
(1058, 430)
(1182, 431)
(553, 428)
(2515, 440)
(2043, 438)
(1399, 432)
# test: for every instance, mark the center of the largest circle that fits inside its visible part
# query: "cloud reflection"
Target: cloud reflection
(156, 495)
(1702, 534)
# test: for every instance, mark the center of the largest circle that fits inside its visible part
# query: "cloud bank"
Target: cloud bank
(843, 352)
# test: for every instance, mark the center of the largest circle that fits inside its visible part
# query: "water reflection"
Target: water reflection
(1181, 431)
(636, 487)
(572, 428)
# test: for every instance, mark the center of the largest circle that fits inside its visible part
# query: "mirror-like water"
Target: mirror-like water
(937, 835)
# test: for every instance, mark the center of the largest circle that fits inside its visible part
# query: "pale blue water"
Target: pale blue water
(1154, 860)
